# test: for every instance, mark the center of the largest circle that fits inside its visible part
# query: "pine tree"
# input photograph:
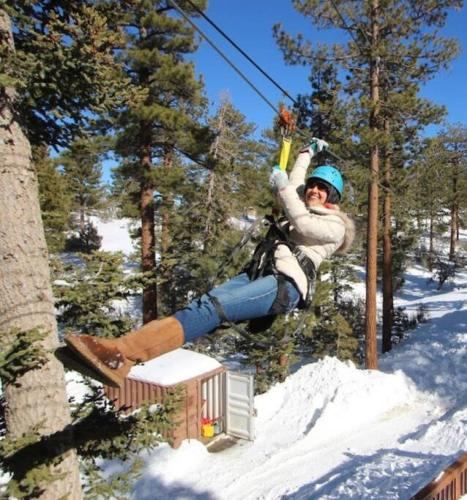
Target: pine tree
(27, 306)
(454, 139)
(270, 351)
(82, 169)
(404, 116)
(54, 198)
(323, 113)
(89, 294)
(62, 67)
(234, 170)
(441, 187)
(391, 46)
(429, 194)
(161, 119)
(328, 332)
(210, 195)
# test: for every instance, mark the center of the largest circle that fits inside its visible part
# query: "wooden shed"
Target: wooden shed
(214, 395)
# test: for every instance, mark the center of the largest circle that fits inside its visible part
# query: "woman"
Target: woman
(279, 278)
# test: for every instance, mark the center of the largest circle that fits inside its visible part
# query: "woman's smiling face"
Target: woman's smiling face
(316, 193)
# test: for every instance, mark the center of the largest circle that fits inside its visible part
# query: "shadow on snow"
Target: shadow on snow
(380, 475)
(149, 488)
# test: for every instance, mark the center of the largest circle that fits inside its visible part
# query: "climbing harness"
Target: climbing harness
(263, 263)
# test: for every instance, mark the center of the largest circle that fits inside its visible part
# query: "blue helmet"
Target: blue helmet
(330, 176)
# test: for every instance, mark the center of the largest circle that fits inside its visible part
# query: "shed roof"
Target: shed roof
(174, 367)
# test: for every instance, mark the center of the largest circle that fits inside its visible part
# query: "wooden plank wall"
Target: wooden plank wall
(450, 485)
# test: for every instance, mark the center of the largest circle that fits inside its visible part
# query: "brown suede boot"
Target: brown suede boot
(113, 358)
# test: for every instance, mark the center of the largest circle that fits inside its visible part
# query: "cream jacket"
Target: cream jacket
(318, 231)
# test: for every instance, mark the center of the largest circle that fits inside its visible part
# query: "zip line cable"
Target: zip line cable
(233, 66)
(226, 59)
(244, 54)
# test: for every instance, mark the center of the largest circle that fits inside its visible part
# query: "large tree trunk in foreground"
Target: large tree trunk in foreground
(38, 397)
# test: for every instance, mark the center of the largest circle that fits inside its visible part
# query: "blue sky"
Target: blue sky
(249, 23)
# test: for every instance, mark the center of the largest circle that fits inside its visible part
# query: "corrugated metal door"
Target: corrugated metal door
(212, 397)
(239, 405)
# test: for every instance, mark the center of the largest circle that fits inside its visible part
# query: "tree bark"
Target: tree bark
(388, 292)
(431, 250)
(207, 229)
(454, 216)
(165, 230)
(82, 219)
(212, 175)
(284, 363)
(371, 355)
(148, 244)
(38, 397)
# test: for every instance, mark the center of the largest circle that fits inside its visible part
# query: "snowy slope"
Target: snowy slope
(115, 235)
(332, 431)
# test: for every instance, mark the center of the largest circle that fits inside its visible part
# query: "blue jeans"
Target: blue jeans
(240, 298)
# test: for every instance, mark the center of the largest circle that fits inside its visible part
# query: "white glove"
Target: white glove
(278, 178)
(316, 146)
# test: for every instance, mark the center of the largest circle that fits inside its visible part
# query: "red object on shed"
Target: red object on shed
(212, 393)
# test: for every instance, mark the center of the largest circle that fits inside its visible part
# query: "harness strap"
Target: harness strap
(219, 309)
(262, 263)
(281, 297)
(263, 323)
(221, 313)
(263, 259)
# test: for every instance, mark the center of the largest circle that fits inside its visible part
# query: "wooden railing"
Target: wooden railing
(450, 485)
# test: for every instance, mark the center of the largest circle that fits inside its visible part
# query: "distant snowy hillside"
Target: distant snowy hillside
(115, 235)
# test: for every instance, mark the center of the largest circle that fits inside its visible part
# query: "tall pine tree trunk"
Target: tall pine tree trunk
(431, 250)
(388, 298)
(167, 202)
(148, 247)
(38, 397)
(82, 219)
(371, 355)
(207, 229)
(454, 216)
(212, 174)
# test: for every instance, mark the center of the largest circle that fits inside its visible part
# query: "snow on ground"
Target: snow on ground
(332, 431)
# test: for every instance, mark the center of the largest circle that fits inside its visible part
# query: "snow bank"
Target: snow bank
(316, 408)
(326, 399)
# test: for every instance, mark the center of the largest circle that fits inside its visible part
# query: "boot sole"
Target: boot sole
(110, 376)
(72, 361)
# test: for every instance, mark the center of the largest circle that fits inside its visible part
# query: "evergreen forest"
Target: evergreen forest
(104, 117)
